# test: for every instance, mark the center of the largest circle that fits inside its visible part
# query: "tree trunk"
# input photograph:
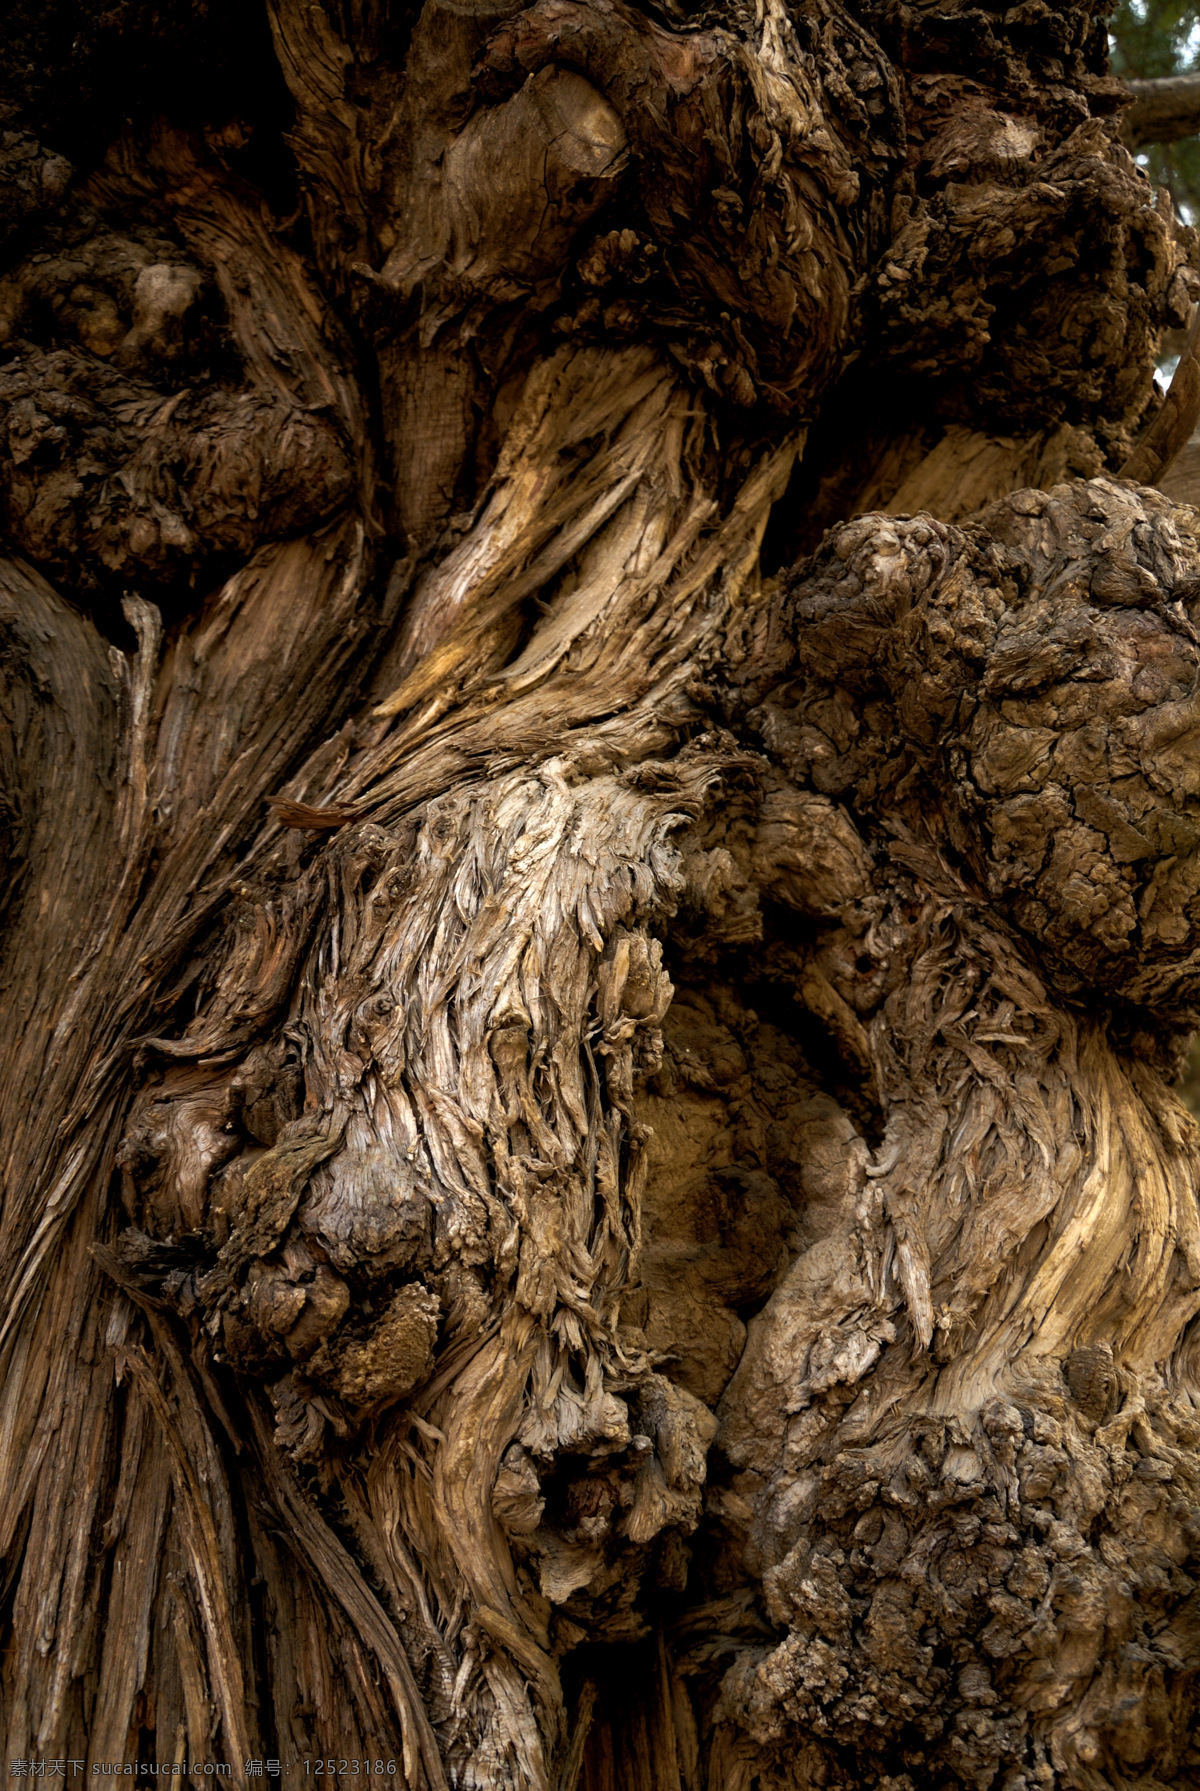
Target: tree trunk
(604, 822)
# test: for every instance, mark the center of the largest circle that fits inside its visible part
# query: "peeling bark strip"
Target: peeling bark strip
(592, 1199)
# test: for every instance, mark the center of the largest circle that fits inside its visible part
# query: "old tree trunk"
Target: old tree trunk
(603, 825)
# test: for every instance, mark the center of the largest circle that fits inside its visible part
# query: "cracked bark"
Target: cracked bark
(603, 903)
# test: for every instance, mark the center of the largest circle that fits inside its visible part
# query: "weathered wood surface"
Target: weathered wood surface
(592, 1197)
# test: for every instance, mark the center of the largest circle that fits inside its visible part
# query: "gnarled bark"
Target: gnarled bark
(592, 1191)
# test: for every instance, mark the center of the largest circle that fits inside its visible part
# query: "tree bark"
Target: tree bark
(603, 837)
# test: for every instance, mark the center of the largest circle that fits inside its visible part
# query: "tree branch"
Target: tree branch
(1172, 428)
(1163, 111)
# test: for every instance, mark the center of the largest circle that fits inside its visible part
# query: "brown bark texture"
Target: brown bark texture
(601, 795)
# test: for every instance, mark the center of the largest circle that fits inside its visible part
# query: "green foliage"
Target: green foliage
(1151, 38)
